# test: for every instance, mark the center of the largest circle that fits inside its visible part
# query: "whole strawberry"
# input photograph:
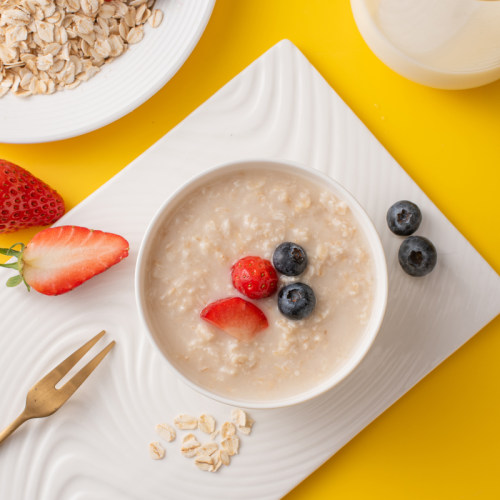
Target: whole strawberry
(254, 277)
(58, 259)
(25, 200)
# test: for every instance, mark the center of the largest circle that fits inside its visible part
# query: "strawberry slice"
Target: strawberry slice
(59, 259)
(236, 316)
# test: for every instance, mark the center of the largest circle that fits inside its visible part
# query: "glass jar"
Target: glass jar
(451, 44)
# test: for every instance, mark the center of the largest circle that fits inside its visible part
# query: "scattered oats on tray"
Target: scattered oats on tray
(228, 429)
(231, 444)
(189, 445)
(206, 423)
(207, 456)
(166, 432)
(207, 449)
(50, 45)
(156, 451)
(184, 422)
(224, 456)
(242, 420)
(204, 462)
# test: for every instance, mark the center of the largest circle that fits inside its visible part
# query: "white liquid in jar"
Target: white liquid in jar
(442, 43)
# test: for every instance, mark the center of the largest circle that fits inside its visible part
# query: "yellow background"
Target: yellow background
(441, 440)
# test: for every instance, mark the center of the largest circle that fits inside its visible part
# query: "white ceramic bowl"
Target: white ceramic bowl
(118, 88)
(375, 246)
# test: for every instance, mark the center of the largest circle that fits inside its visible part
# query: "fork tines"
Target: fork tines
(65, 366)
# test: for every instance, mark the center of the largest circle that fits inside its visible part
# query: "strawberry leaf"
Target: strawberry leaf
(14, 281)
(10, 252)
(12, 265)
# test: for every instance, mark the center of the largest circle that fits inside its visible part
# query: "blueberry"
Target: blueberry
(296, 301)
(403, 218)
(290, 259)
(417, 256)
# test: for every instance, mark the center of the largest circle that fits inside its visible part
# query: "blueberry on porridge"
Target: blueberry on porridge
(211, 293)
(290, 259)
(296, 301)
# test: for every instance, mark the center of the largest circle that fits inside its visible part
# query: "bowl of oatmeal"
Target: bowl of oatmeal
(247, 349)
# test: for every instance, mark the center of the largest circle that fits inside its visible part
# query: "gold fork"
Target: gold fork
(44, 399)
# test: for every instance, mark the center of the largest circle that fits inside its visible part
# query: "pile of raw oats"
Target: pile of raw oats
(208, 456)
(50, 45)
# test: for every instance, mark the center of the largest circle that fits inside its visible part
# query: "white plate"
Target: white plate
(96, 446)
(118, 89)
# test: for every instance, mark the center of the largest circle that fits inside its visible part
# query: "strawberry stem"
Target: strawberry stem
(17, 265)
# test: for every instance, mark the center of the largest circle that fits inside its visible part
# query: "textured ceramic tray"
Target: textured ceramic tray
(96, 446)
(118, 89)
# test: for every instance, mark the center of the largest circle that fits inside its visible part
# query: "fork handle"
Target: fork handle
(13, 426)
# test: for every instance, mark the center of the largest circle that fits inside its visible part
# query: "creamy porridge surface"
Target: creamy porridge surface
(251, 213)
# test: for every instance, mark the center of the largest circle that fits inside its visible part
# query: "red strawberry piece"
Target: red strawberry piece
(25, 200)
(59, 259)
(236, 316)
(254, 277)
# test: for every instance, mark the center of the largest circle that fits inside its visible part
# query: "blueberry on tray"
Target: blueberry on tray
(417, 256)
(403, 218)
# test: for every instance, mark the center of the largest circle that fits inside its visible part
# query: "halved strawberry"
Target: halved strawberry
(59, 259)
(236, 316)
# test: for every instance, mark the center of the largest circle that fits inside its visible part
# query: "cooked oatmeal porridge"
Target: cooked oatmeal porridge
(249, 214)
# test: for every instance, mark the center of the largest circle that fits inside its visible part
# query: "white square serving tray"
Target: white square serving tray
(96, 446)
